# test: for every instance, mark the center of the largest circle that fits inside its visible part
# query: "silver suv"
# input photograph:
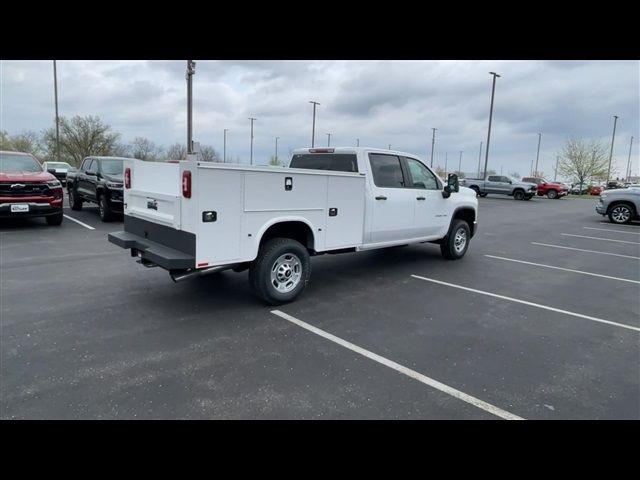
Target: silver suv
(621, 205)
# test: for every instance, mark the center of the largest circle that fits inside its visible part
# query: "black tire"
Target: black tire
(54, 219)
(280, 256)
(518, 195)
(552, 194)
(483, 195)
(448, 247)
(74, 200)
(476, 189)
(106, 214)
(621, 213)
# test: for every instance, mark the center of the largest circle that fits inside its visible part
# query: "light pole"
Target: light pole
(389, 146)
(191, 70)
(251, 154)
(277, 149)
(535, 173)
(224, 148)
(628, 172)
(446, 159)
(357, 142)
(55, 91)
(433, 141)
(328, 139)
(555, 170)
(479, 159)
(460, 162)
(613, 139)
(493, 91)
(313, 127)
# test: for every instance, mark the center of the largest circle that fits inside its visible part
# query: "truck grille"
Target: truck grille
(17, 189)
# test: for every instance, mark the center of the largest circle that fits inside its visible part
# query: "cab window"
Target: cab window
(421, 177)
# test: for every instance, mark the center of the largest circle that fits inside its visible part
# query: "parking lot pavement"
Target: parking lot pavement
(88, 333)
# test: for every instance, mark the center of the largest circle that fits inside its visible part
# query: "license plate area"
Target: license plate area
(19, 208)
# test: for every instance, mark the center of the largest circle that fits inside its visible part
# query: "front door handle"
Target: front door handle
(381, 197)
(420, 198)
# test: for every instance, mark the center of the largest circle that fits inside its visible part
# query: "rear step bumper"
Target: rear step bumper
(166, 257)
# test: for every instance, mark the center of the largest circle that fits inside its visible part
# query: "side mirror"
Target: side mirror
(453, 185)
(90, 172)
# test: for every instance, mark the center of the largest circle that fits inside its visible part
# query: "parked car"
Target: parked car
(98, 180)
(553, 190)
(595, 190)
(196, 218)
(26, 190)
(620, 205)
(501, 185)
(59, 170)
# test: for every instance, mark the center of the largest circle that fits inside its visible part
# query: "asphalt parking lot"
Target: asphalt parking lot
(540, 320)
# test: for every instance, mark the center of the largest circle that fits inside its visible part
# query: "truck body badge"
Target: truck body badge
(152, 203)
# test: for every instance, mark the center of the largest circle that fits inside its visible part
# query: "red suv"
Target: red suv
(550, 189)
(26, 190)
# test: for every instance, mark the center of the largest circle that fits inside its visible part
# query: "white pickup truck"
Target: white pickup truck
(193, 218)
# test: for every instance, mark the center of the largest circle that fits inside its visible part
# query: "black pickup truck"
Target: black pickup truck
(98, 180)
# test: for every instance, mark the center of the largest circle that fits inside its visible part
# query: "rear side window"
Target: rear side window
(386, 169)
(494, 179)
(337, 162)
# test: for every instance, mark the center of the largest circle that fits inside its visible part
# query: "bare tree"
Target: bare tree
(144, 149)
(27, 141)
(120, 150)
(81, 137)
(209, 154)
(177, 151)
(514, 174)
(440, 171)
(5, 141)
(583, 161)
(274, 162)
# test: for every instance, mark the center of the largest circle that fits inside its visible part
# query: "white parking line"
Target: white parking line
(599, 238)
(487, 407)
(583, 250)
(524, 302)
(564, 269)
(609, 230)
(78, 221)
(632, 225)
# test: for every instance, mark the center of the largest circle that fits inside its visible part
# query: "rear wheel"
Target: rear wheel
(74, 200)
(54, 219)
(552, 194)
(456, 243)
(518, 195)
(106, 214)
(621, 213)
(281, 271)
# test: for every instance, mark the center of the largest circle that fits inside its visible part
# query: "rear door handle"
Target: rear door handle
(381, 197)
(420, 198)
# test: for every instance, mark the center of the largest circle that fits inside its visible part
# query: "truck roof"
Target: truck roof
(321, 150)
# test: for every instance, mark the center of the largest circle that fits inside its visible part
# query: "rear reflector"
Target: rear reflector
(321, 150)
(186, 184)
(127, 178)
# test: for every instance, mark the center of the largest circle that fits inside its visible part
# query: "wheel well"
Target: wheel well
(622, 202)
(298, 231)
(468, 215)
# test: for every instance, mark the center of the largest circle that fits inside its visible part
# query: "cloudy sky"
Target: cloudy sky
(379, 102)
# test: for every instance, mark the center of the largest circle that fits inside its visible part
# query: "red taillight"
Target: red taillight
(186, 184)
(127, 178)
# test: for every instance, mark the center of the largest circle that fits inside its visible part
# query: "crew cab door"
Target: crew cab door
(431, 209)
(391, 203)
(495, 184)
(82, 179)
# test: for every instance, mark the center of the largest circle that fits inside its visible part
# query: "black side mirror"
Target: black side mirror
(453, 185)
(90, 172)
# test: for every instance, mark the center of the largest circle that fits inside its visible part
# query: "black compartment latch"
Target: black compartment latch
(333, 212)
(288, 183)
(209, 216)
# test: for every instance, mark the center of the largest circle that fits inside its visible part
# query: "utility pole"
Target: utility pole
(493, 91)
(460, 162)
(357, 142)
(251, 154)
(277, 149)
(389, 146)
(531, 169)
(55, 91)
(629, 161)
(613, 139)
(555, 170)
(313, 127)
(224, 155)
(191, 70)
(479, 159)
(328, 139)
(433, 141)
(535, 173)
(446, 159)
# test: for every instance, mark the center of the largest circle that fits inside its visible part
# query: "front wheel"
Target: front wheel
(455, 244)
(74, 200)
(552, 194)
(281, 271)
(518, 195)
(106, 214)
(620, 214)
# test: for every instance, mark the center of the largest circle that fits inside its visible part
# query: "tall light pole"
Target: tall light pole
(251, 154)
(535, 173)
(277, 149)
(460, 162)
(479, 159)
(446, 159)
(313, 126)
(493, 91)
(55, 92)
(357, 142)
(328, 139)
(389, 146)
(613, 139)
(555, 170)
(628, 172)
(224, 148)
(191, 69)
(433, 141)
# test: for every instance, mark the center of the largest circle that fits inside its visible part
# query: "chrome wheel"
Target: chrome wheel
(621, 214)
(286, 272)
(460, 240)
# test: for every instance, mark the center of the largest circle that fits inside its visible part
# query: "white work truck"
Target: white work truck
(194, 218)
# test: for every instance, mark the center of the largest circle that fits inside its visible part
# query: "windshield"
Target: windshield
(58, 165)
(112, 167)
(18, 163)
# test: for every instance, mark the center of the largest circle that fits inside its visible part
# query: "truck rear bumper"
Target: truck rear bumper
(166, 257)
